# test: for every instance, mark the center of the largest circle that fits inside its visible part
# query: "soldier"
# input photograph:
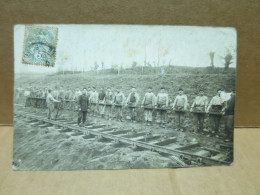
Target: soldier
(180, 106)
(101, 98)
(44, 96)
(76, 95)
(55, 92)
(61, 93)
(108, 103)
(198, 108)
(41, 97)
(18, 94)
(215, 110)
(38, 96)
(93, 101)
(89, 92)
(162, 102)
(50, 104)
(132, 101)
(83, 102)
(33, 97)
(148, 104)
(118, 102)
(69, 98)
(27, 94)
(229, 117)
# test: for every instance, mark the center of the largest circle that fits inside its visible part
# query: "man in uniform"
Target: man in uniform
(50, 103)
(199, 107)
(180, 106)
(44, 97)
(18, 94)
(55, 93)
(132, 101)
(68, 98)
(215, 109)
(33, 97)
(83, 102)
(101, 97)
(108, 103)
(76, 95)
(229, 117)
(162, 102)
(148, 104)
(27, 94)
(118, 103)
(93, 101)
(89, 91)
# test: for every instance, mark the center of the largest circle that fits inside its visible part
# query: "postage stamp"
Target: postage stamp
(40, 45)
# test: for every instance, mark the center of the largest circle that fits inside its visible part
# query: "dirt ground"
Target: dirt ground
(38, 148)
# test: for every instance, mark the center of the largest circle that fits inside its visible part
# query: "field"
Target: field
(189, 79)
(45, 148)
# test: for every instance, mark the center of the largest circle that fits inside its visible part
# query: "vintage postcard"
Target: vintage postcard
(123, 96)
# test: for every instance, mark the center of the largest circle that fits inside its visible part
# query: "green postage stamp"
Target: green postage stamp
(40, 45)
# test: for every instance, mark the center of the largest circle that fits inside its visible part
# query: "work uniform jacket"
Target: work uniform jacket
(133, 98)
(119, 98)
(50, 100)
(149, 99)
(76, 95)
(83, 102)
(180, 102)
(94, 97)
(200, 103)
(101, 96)
(230, 106)
(109, 97)
(216, 104)
(162, 99)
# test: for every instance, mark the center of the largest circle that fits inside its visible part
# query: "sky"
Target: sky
(80, 46)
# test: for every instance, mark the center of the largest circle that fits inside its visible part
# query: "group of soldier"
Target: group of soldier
(90, 101)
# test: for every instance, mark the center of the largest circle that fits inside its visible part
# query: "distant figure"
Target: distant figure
(162, 102)
(108, 101)
(101, 97)
(27, 94)
(132, 101)
(198, 108)
(119, 100)
(180, 106)
(18, 95)
(215, 109)
(93, 99)
(148, 104)
(50, 104)
(83, 103)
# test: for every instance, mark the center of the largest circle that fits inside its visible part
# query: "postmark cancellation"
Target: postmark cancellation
(39, 47)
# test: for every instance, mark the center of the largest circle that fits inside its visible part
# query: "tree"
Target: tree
(211, 55)
(149, 65)
(228, 60)
(134, 64)
(96, 65)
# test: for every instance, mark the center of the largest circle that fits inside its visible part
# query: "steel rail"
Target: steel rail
(155, 148)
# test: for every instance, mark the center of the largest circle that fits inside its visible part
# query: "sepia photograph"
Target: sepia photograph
(123, 96)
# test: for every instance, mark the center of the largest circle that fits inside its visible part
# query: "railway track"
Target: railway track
(192, 154)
